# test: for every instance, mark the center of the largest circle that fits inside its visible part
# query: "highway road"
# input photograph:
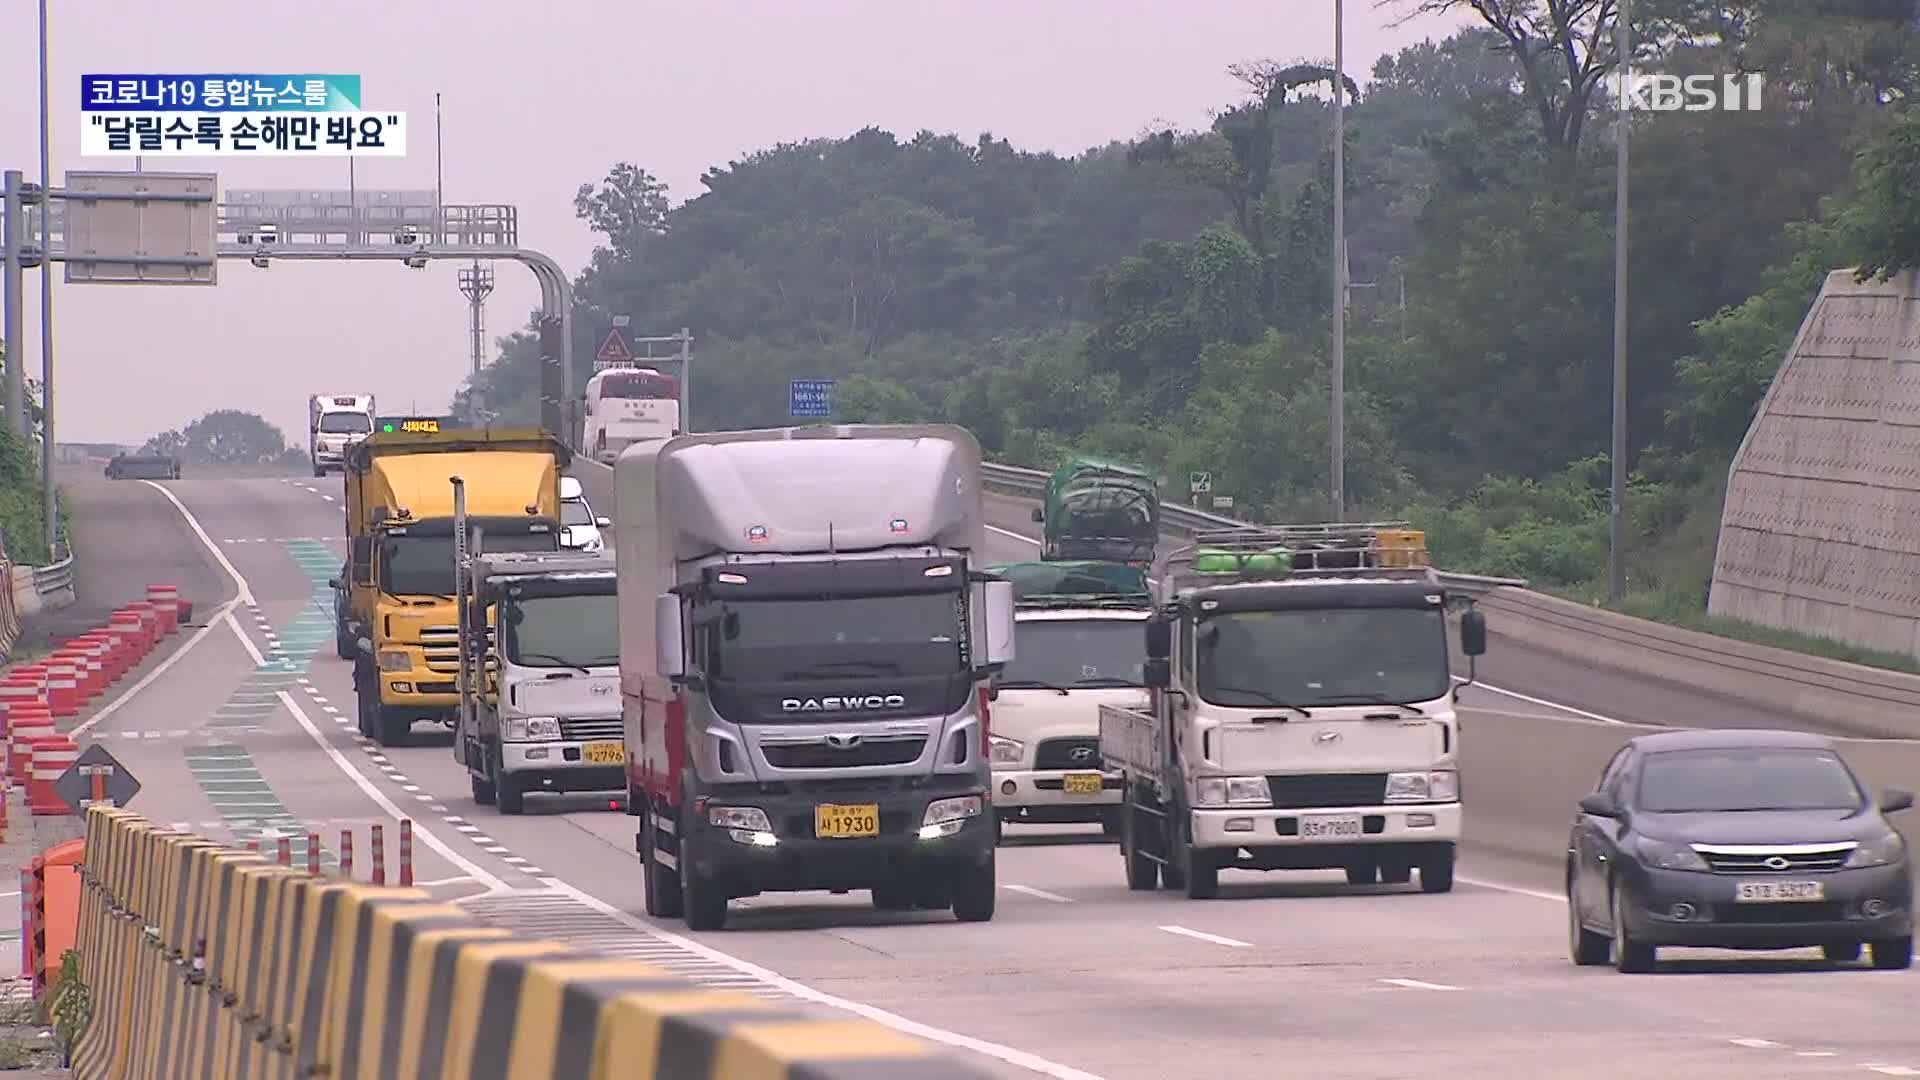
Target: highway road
(1296, 975)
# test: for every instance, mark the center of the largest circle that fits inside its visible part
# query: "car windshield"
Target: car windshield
(1079, 652)
(1757, 778)
(423, 565)
(345, 423)
(853, 636)
(1340, 656)
(565, 631)
(575, 512)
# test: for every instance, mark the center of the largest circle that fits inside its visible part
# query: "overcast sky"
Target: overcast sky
(540, 98)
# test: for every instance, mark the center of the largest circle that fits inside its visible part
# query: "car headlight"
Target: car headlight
(750, 818)
(1006, 751)
(1232, 791)
(395, 661)
(1878, 851)
(529, 728)
(1664, 856)
(1441, 785)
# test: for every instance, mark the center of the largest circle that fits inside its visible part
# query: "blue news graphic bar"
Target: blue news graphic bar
(214, 92)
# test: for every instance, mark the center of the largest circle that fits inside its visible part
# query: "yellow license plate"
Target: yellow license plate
(1084, 783)
(840, 822)
(604, 753)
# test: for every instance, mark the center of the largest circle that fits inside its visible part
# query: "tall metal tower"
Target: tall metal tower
(476, 284)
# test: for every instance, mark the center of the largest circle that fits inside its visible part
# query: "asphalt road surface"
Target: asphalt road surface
(1286, 975)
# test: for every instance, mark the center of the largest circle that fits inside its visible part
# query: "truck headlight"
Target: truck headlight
(750, 818)
(1879, 851)
(1441, 785)
(945, 817)
(1232, 791)
(1006, 751)
(529, 728)
(395, 661)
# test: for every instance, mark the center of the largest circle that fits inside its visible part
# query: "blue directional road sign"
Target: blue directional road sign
(811, 397)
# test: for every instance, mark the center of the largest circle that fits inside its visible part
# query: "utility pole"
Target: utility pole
(1616, 502)
(1336, 424)
(13, 300)
(476, 284)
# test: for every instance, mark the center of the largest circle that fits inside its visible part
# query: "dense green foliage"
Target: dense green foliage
(1167, 300)
(227, 437)
(22, 498)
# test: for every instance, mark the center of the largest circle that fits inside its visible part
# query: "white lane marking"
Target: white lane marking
(1417, 984)
(1011, 535)
(1202, 936)
(1531, 700)
(244, 594)
(1043, 894)
(442, 881)
(1816, 1053)
(424, 834)
(146, 680)
(246, 642)
(1517, 890)
(1891, 1070)
(1757, 1044)
(1017, 1058)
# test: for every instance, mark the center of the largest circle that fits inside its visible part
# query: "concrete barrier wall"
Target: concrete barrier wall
(1871, 701)
(207, 961)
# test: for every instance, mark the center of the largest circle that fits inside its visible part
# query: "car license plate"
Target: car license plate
(1091, 783)
(604, 753)
(842, 822)
(1774, 892)
(1340, 827)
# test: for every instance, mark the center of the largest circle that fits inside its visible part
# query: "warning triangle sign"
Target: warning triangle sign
(614, 349)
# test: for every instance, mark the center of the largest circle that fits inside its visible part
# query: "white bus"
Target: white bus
(627, 405)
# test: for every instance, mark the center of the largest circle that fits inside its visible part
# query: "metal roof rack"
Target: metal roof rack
(1114, 601)
(1384, 550)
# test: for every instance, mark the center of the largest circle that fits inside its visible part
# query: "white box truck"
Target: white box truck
(335, 424)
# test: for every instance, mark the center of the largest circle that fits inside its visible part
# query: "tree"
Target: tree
(628, 207)
(166, 444)
(222, 437)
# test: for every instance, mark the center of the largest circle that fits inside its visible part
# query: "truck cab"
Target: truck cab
(540, 687)
(1079, 644)
(1302, 712)
(336, 423)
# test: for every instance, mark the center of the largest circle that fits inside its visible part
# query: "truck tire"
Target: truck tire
(1143, 874)
(509, 793)
(366, 700)
(392, 726)
(483, 792)
(1436, 872)
(1203, 874)
(318, 471)
(661, 885)
(974, 891)
(703, 905)
(344, 645)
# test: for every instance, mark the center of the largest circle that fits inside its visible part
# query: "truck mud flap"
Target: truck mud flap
(666, 841)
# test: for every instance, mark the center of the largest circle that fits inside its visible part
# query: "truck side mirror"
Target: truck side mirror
(1039, 516)
(669, 640)
(1473, 633)
(1159, 638)
(994, 625)
(333, 583)
(603, 523)
(1158, 673)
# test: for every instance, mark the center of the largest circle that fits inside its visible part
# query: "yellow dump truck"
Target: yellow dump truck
(400, 608)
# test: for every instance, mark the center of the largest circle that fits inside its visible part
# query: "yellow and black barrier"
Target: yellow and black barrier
(206, 961)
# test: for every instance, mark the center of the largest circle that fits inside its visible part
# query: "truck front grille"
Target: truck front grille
(441, 645)
(1305, 790)
(866, 752)
(1070, 753)
(611, 727)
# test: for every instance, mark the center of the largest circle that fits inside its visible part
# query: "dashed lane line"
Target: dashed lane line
(1201, 935)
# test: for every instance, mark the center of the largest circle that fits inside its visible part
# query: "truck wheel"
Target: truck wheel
(1173, 872)
(1436, 872)
(509, 793)
(974, 891)
(1203, 874)
(318, 471)
(343, 644)
(366, 701)
(932, 894)
(661, 885)
(393, 726)
(483, 790)
(704, 906)
(1143, 874)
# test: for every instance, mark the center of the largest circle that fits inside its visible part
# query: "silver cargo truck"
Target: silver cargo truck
(806, 635)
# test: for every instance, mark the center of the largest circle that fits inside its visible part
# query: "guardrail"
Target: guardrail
(1184, 520)
(56, 577)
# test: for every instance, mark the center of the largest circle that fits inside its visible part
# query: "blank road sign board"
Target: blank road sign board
(141, 242)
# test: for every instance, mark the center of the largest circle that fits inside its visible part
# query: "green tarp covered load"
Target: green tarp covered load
(1088, 579)
(1273, 561)
(1101, 510)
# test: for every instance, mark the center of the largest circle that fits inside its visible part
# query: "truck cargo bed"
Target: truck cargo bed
(1130, 741)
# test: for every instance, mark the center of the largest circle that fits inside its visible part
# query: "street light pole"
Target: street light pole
(1616, 503)
(1336, 425)
(50, 505)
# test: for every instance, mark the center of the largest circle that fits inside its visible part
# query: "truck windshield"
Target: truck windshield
(565, 631)
(1061, 654)
(790, 640)
(575, 512)
(1344, 656)
(423, 565)
(345, 423)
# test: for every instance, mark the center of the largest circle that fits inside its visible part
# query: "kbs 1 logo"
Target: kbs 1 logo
(1640, 92)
